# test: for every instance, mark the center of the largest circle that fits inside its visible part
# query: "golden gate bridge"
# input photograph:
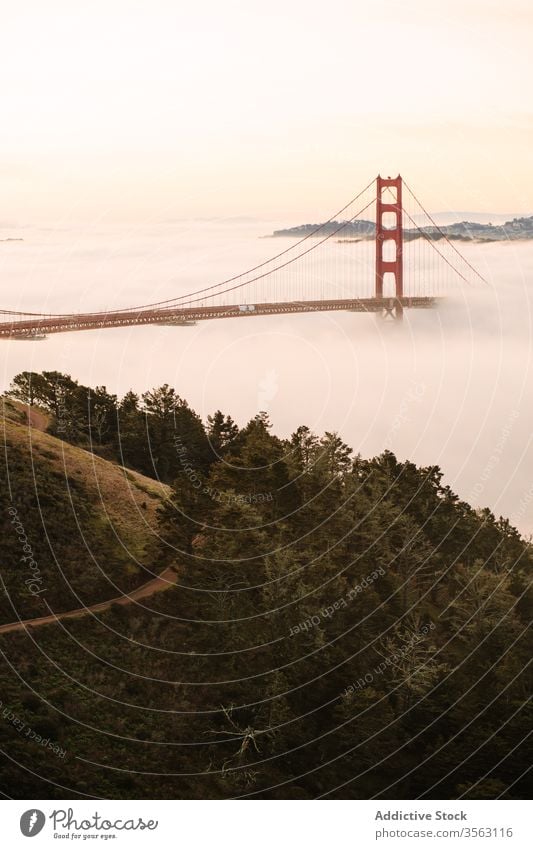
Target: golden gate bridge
(404, 261)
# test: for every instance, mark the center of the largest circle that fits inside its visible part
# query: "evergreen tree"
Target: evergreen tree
(221, 431)
(27, 387)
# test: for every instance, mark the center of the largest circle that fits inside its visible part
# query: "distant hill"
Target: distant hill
(515, 229)
(343, 229)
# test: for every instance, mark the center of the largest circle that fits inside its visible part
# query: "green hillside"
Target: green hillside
(341, 627)
(75, 528)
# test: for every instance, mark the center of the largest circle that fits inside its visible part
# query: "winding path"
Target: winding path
(164, 581)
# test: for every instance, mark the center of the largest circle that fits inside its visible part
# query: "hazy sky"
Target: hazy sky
(144, 110)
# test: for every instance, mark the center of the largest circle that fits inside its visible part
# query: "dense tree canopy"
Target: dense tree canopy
(342, 627)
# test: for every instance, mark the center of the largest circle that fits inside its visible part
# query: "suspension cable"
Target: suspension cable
(284, 264)
(443, 234)
(433, 245)
(189, 296)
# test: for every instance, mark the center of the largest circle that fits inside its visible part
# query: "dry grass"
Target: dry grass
(127, 500)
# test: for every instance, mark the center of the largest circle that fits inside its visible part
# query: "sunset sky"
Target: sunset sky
(142, 110)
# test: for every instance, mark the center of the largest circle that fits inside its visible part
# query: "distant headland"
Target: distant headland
(465, 231)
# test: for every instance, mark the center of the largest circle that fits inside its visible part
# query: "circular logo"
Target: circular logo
(32, 822)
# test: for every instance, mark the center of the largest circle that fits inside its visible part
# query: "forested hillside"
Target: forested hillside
(341, 627)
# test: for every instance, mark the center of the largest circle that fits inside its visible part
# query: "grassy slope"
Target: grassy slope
(99, 517)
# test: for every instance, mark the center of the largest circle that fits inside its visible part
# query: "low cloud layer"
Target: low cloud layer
(450, 386)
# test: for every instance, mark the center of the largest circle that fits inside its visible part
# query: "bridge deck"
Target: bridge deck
(27, 328)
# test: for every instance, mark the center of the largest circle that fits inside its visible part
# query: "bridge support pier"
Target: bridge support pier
(389, 245)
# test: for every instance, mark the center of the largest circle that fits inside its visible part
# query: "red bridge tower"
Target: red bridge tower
(389, 244)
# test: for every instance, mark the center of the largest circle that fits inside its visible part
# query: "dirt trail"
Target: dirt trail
(164, 581)
(35, 417)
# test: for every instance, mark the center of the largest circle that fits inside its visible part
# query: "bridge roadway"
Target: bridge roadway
(28, 328)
